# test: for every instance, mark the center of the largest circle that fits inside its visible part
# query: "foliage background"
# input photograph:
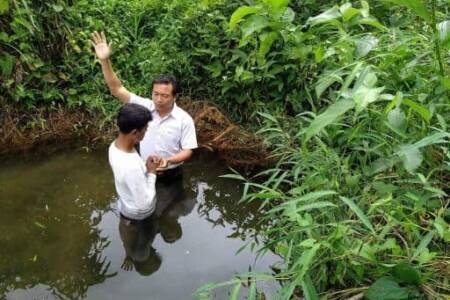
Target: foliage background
(352, 97)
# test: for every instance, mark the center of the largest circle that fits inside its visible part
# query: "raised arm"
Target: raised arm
(103, 51)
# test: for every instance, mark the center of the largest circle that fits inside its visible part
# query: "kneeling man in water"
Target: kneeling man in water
(134, 178)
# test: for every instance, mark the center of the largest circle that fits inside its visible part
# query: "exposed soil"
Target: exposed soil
(21, 132)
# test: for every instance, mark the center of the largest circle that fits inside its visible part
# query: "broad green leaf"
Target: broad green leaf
(411, 158)
(442, 122)
(325, 81)
(364, 91)
(309, 243)
(365, 45)
(235, 292)
(4, 6)
(308, 288)
(371, 22)
(406, 274)
(366, 78)
(253, 24)
(305, 260)
(4, 37)
(276, 6)
(348, 12)
(266, 42)
(331, 14)
(425, 256)
(361, 215)
(288, 15)
(240, 13)
(7, 64)
(418, 108)
(444, 33)
(410, 154)
(215, 68)
(442, 228)
(396, 102)
(387, 289)
(445, 81)
(363, 96)
(57, 8)
(329, 116)
(416, 5)
(396, 118)
(423, 244)
(383, 188)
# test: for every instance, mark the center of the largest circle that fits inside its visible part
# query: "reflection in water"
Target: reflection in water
(173, 202)
(48, 225)
(137, 238)
(61, 238)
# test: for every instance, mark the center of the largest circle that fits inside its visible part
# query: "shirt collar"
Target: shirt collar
(175, 113)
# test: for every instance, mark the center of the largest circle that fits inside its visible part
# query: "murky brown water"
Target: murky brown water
(60, 236)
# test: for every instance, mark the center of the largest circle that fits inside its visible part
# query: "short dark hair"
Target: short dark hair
(168, 79)
(133, 116)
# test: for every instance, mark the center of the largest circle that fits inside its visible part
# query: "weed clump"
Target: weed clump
(238, 147)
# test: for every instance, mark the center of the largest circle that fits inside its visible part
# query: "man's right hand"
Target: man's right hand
(102, 49)
(152, 164)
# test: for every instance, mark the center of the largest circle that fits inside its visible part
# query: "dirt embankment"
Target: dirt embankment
(21, 132)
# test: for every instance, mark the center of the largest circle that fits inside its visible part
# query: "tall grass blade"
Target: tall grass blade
(364, 219)
(309, 291)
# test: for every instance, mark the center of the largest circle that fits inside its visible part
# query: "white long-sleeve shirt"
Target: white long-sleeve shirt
(136, 188)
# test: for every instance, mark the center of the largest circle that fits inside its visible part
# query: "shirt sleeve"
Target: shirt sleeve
(188, 136)
(147, 103)
(142, 188)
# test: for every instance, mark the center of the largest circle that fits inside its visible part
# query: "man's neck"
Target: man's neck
(124, 143)
(165, 112)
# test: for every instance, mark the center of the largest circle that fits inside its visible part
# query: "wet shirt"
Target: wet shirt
(166, 136)
(136, 188)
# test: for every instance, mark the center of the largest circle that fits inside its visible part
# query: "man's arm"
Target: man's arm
(103, 51)
(180, 156)
(142, 187)
(188, 142)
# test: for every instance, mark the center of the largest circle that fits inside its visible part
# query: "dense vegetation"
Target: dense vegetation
(353, 98)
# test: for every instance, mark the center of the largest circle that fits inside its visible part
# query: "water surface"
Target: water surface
(60, 235)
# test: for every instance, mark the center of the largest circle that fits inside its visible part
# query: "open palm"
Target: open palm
(102, 49)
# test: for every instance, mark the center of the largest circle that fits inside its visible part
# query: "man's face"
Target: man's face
(139, 134)
(162, 96)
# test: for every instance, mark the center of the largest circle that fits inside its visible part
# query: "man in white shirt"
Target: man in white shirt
(134, 179)
(171, 134)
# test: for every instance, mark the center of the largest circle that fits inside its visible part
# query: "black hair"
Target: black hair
(133, 116)
(168, 79)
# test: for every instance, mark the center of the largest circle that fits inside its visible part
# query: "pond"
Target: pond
(61, 237)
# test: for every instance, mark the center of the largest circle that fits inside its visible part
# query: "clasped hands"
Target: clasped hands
(155, 164)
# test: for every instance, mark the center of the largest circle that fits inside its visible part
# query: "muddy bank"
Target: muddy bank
(42, 129)
(21, 132)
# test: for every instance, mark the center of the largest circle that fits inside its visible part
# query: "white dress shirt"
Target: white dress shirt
(166, 136)
(136, 188)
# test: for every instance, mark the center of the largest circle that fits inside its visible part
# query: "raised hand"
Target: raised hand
(102, 48)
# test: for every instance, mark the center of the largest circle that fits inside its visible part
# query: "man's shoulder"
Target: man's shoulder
(182, 114)
(148, 103)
